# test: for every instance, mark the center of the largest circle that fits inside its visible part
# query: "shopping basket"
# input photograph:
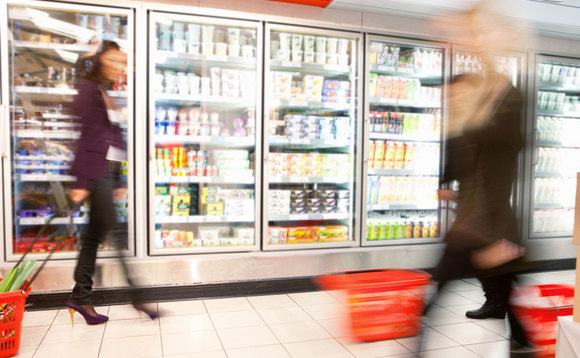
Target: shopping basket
(11, 313)
(383, 303)
(540, 317)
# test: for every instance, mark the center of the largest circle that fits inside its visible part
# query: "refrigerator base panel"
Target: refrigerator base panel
(239, 267)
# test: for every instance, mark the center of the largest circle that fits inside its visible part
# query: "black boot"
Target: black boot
(490, 309)
(494, 307)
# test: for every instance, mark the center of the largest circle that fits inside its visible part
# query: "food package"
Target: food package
(208, 233)
(162, 205)
(313, 165)
(278, 164)
(244, 233)
(313, 88)
(282, 85)
(279, 202)
(214, 209)
(277, 235)
(231, 154)
(297, 166)
(180, 205)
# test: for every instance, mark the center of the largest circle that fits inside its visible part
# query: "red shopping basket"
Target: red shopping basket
(384, 303)
(11, 313)
(540, 322)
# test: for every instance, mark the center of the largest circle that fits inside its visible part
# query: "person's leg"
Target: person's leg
(493, 307)
(504, 286)
(90, 240)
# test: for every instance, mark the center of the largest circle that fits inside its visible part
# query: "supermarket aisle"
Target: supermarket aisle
(300, 325)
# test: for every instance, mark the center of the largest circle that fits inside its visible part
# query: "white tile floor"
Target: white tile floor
(296, 325)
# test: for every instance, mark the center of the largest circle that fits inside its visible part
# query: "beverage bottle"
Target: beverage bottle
(401, 230)
(405, 123)
(399, 155)
(391, 149)
(409, 156)
(372, 148)
(417, 229)
(409, 229)
(383, 231)
(384, 122)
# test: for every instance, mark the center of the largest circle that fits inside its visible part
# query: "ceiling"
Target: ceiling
(551, 17)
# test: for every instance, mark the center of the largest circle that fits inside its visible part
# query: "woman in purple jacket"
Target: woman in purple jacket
(100, 151)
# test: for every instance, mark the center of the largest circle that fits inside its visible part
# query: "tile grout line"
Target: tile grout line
(267, 325)
(214, 327)
(43, 336)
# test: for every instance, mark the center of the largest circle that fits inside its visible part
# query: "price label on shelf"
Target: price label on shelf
(297, 104)
(387, 68)
(214, 219)
(295, 180)
(291, 64)
(300, 217)
(32, 221)
(406, 70)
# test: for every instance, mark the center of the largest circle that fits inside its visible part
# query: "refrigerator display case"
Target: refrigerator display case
(311, 129)
(41, 47)
(556, 147)
(204, 102)
(402, 141)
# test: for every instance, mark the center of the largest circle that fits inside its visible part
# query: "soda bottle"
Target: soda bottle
(401, 230)
(390, 230)
(433, 229)
(417, 227)
(409, 230)
(426, 229)
(382, 231)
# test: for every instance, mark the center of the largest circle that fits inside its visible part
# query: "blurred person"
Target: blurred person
(491, 29)
(484, 140)
(100, 151)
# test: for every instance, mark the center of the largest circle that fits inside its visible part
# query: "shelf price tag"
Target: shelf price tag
(297, 104)
(300, 217)
(213, 219)
(387, 68)
(291, 64)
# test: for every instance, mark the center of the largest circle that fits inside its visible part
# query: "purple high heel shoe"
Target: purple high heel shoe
(89, 318)
(153, 314)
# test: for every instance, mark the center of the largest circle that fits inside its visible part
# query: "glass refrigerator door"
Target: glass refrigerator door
(42, 45)
(204, 101)
(311, 133)
(557, 147)
(403, 138)
(511, 66)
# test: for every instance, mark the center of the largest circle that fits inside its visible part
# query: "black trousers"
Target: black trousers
(102, 224)
(457, 264)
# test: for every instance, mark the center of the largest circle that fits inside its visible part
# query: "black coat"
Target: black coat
(484, 161)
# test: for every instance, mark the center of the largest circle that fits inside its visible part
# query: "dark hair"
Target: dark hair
(89, 68)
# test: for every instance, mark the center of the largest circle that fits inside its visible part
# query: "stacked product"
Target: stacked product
(311, 49)
(398, 88)
(176, 200)
(403, 190)
(559, 220)
(558, 101)
(207, 236)
(216, 201)
(284, 202)
(418, 61)
(558, 160)
(28, 159)
(564, 75)
(555, 191)
(187, 161)
(309, 165)
(421, 157)
(198, 123)
(221, 83)
(208, 40)
(314, 127)
(400, 225)
(558, 129)
(310, 89)
(423, 124)
(307, 234)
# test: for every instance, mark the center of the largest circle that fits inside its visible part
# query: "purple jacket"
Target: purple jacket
(97, 134)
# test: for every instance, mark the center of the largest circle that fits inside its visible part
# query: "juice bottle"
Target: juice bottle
(372, 148)
(433, 229)
(385, 122)
(375, 231)
(400, 230)
(399, 155)
(389, 162)
(426, 230)
(417, 230)
(391, 230)
(379, 154)
(383, 231)
(408, 230)
(409, 156)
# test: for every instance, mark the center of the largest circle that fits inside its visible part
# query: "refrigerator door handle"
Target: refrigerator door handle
(536, 145)
(3, 132)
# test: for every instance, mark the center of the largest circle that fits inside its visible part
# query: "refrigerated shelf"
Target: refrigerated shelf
(179, 99)
(554, 175)
(306, 217)
(55, 221)
(48, 93)
(554, 205)
(205, 179)
(340, 107)
(224, 142)
(310, 180)
(406, 72)
(545, 112)
(66, 135)
(550, 86)
(405, 137)
(402, 172)
(307, 143)
(397, 206)
(558, 144)
(54, 46)
(202, 219)
(44, 177)
(310, 68)
(186, 61)
(374, 101)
